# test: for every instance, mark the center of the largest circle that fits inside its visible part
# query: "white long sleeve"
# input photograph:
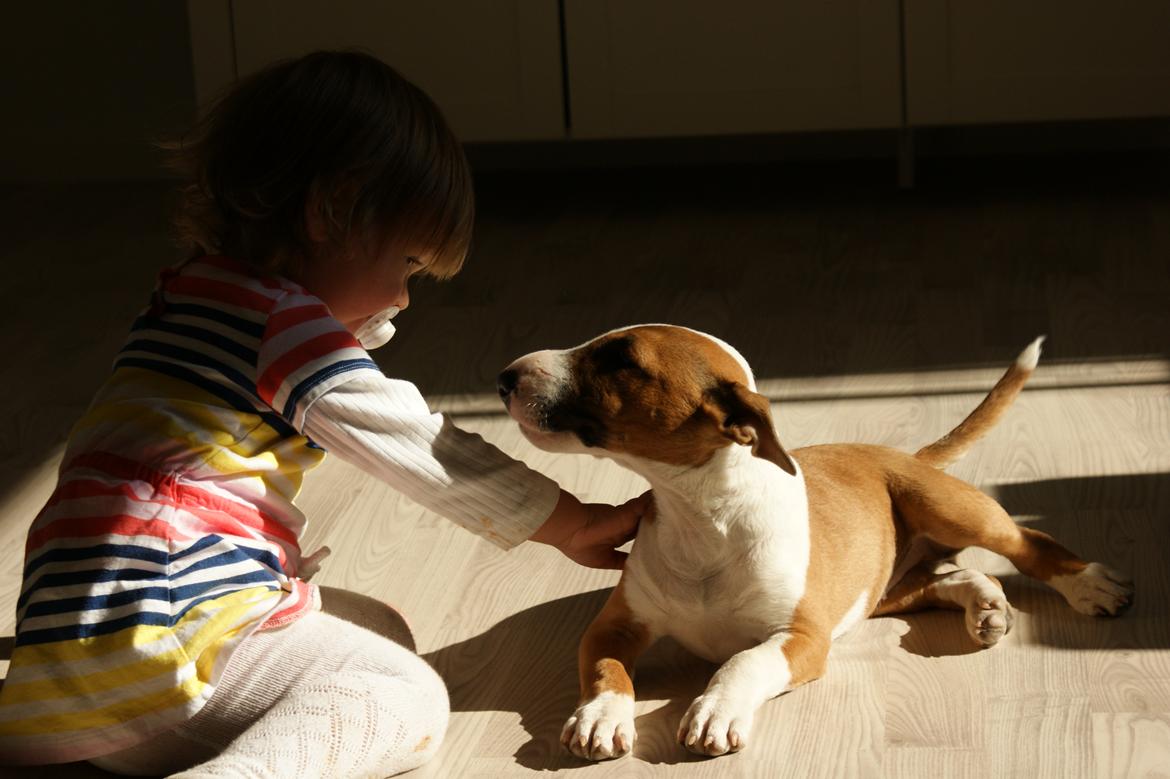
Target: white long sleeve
(385, 427)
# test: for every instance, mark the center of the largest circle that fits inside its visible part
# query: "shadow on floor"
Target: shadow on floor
(527, 664)
(812, 270)
(65, 771)
(71, 291)
(1122, 521)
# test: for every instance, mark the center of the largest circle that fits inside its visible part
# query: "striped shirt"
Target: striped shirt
(172, 532)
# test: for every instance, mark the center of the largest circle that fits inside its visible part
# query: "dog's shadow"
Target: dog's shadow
(1118, 520)
(1051, 622)
(527, 663)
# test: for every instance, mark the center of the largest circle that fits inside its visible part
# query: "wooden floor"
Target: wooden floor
(870, 315)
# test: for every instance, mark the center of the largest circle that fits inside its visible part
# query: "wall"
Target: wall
(86, 86)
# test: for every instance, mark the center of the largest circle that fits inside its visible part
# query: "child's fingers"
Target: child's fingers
(609, 528)
(620, 527)
(641, 504)
(613, 559)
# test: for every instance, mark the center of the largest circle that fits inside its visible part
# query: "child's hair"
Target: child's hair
(339, 131)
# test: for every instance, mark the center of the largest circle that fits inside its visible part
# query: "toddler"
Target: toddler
(165, 622)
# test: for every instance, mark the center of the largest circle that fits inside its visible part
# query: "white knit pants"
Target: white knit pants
(319, 698)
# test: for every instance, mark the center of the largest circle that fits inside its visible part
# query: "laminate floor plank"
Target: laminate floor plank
(868, 317)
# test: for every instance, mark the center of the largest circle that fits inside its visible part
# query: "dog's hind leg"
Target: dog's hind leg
(943, 584)
(954, 514)
(603, 724)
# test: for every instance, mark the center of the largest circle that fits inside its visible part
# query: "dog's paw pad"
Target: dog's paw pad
(601, 728)
(714, 725)
(989, 620)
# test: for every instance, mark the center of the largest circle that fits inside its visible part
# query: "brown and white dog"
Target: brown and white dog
(757, 558)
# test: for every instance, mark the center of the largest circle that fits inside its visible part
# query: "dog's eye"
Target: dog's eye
(614, 356)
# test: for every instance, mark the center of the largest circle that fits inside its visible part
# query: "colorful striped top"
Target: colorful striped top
(172, 532)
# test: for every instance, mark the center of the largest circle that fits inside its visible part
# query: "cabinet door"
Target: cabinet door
(693, 67)
(1009, 61)
(492, 66)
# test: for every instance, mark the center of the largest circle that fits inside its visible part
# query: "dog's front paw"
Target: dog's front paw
(715, 724)
(601, 728)
(1097, 590)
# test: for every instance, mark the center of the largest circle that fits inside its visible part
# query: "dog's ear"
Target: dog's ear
(745, 417)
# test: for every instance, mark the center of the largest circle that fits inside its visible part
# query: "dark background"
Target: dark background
(803, 250)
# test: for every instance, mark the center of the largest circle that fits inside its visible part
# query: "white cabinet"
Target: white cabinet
(656, 68)
(640, 68)
(989, 61)
(493, 66)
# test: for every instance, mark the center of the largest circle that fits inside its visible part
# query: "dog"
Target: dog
(754, 557)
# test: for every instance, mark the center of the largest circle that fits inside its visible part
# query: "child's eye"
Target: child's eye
(413, 261)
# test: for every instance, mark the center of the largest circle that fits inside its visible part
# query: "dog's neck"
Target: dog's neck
(734, 494)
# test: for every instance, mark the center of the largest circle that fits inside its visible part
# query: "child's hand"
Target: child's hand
(589, 533)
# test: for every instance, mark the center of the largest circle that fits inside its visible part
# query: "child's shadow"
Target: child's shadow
(527, 663)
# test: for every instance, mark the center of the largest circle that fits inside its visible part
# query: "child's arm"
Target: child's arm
(385, 427)
(589, 533)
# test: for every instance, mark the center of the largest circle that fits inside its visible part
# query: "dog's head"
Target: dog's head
(655, 392)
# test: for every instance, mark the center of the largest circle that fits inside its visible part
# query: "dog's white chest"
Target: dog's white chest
(717, 618)
(720, 596)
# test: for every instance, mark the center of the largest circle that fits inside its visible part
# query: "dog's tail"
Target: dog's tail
(948, 449)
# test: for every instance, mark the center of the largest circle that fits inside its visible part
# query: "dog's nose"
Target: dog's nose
(506, 382)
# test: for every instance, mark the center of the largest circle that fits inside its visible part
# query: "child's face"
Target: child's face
(358, 285)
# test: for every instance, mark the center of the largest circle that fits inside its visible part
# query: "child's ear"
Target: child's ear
(326, 208)
(747, 420)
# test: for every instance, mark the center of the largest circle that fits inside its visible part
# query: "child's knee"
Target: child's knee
(417, 710)
(434, 701)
